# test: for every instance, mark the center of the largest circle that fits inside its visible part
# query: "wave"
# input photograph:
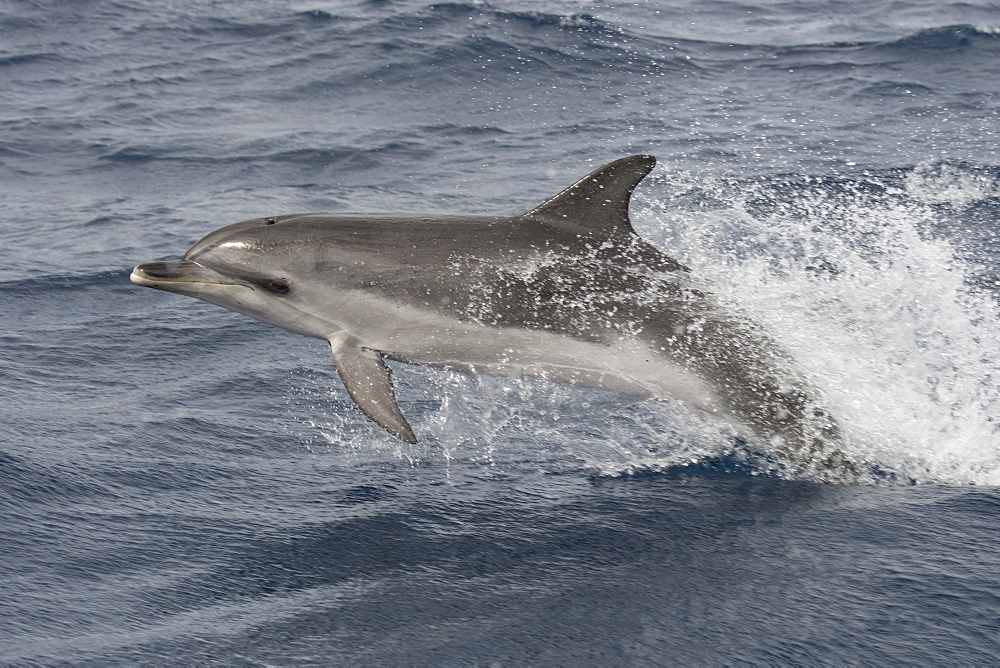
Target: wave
(485, 14)
(302, 149)
(36, 285)
(460, 45)
(463, 42)
(381, 20)
(22, 59)
(934, 41)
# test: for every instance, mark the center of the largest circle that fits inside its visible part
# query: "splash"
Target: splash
(855, 279)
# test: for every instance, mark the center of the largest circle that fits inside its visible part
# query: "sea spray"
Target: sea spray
(852, 278)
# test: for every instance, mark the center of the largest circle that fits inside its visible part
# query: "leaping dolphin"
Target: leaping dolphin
(567, 291)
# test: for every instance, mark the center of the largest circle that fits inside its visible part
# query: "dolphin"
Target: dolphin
(566, 292)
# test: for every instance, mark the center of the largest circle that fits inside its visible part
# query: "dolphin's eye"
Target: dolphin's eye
(270, 221)
(279, 287)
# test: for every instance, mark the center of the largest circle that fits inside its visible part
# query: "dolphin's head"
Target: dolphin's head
(245, 267)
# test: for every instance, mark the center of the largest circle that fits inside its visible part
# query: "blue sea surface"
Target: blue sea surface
(180, 484)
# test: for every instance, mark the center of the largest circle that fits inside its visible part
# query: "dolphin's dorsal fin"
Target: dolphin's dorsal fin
(369, 382)
(597, 204)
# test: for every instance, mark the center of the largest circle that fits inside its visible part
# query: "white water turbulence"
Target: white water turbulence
(858, 280)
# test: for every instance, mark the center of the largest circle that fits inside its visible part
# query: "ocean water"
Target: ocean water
(180, 484)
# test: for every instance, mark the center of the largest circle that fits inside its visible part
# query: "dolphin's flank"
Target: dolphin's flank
(566, 292)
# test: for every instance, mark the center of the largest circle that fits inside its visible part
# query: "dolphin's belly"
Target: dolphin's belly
(629, 365)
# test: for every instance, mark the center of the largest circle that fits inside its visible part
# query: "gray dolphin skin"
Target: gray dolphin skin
(566, 292)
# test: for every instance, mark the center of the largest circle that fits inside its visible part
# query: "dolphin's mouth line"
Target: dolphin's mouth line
(179, 272)
(140, 278)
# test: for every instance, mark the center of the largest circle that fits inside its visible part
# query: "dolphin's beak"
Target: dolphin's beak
(178, 276)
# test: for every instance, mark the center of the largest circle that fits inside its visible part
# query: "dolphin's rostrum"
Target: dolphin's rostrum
(567, 291)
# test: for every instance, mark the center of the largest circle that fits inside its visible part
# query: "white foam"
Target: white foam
(876, 310)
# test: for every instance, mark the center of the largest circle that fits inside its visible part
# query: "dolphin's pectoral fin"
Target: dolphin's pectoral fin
(369, 382)
(597, 204)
